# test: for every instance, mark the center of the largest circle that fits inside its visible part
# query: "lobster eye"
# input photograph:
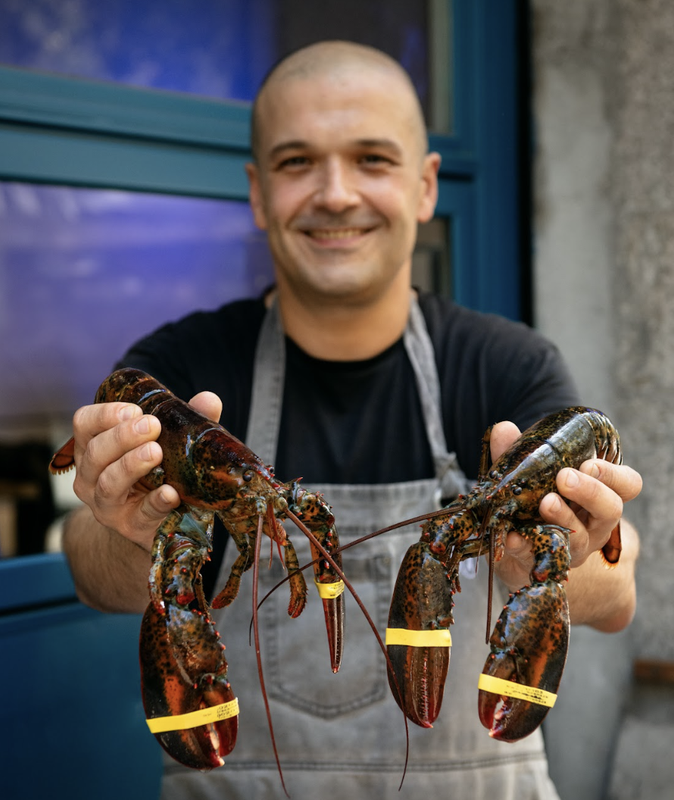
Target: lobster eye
(248, 475)
(517, 490)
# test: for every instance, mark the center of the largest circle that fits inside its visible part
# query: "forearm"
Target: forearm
(110, 572)
(604, 598)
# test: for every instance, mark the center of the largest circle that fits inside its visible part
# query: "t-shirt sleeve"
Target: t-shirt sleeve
(530, 379)
(493, 369)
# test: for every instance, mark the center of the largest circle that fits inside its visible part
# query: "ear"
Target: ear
(429, 187)
(255, 196)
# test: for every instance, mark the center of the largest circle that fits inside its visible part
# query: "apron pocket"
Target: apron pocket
(295, 651)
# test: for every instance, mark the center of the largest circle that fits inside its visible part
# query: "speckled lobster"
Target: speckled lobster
(530, 640)
(189, 702)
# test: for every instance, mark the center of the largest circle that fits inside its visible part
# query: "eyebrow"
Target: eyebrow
(301, 144)
(295, 144)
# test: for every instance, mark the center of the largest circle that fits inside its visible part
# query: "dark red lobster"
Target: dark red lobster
(529, 643)
(189, 702)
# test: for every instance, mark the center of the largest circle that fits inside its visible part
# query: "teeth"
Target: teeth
(342, 233)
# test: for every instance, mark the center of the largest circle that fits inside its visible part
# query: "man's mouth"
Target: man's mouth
(336, 233)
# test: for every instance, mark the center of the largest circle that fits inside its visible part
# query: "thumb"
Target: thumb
(208, 404)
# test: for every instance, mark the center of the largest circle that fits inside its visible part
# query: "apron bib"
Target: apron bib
(342, 736)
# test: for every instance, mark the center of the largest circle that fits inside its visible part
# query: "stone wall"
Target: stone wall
(603, 75)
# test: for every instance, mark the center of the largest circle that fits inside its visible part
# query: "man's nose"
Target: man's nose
(337, 190)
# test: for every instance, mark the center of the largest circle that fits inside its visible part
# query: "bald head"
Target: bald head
(338, 60)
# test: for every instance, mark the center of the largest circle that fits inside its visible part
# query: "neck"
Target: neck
(338, 331)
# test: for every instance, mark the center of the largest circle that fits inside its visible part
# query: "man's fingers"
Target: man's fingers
(554, 510)
(157, 504)
(112, 444)
(117, 479)
(599, 500)
(623, 480)
(503, 434)
(91, 420)
(208, 404)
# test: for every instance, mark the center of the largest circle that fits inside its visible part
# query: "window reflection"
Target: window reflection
(83, 274)
(216, 48)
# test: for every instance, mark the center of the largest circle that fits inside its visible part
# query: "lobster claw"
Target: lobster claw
(418, 641)
(332, 595)
(529, 645)
(313, 515)
(176, 708)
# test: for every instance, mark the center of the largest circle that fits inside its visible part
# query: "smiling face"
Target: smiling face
(341, 177)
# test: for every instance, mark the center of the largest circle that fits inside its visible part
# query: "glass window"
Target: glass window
(431, 263)
(84, 273)
(219, 48)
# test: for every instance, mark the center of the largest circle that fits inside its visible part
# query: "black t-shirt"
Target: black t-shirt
(361, 422)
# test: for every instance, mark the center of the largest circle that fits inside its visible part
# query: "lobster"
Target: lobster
(529, 644)
(188, 699)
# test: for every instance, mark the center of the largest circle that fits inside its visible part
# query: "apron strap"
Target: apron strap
(264, 418)
(422, 356)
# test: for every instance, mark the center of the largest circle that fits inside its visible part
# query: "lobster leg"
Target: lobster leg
(298, 586)
(186, 535)
(241, 535)
(243, 562)
(529, 643)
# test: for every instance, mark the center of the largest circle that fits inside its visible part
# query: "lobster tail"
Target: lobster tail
(63, 459)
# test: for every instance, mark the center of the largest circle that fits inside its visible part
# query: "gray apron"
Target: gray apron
(342, 736)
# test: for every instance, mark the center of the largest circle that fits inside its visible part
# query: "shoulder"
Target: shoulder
(451, 324)
(188, 354)
(505, 368)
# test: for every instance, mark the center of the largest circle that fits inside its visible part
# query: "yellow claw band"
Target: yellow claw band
(203, 716)
(437, 638)
(489, 683)
(328, 591)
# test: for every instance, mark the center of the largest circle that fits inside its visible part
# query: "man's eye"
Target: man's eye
(375, 159)
(293, 162)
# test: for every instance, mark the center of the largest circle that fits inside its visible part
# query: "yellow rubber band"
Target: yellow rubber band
(437, 638)
(511, 689)
(328, 591)
(203, 716)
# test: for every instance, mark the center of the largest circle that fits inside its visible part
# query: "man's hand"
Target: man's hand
(108, 541)
(596, 493)
(115, 446)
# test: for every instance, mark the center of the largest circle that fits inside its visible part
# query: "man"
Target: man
(379, 398)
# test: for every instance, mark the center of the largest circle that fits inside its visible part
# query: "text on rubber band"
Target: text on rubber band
(489, 683)
(437, 638)
(203, 716)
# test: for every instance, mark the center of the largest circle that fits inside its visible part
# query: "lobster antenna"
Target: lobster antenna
(312, 538)
(256, 631)
(411, 521)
